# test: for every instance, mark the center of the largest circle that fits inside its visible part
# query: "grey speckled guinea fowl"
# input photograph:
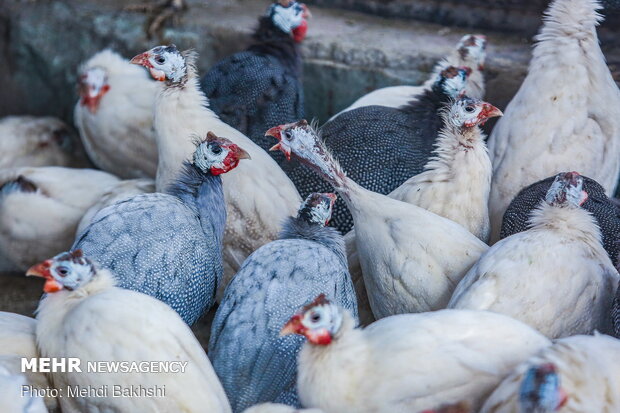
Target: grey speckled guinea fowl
(607, 214)
(169, 246)
(381, 147)
(260, 87)
(254, 364)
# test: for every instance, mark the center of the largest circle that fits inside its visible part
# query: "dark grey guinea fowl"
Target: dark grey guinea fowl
(261, 87)
(254, 364)
(381, 147)
(605, 211)
(169, 245)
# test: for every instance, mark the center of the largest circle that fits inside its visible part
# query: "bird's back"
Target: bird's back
(253, 92)
(378, 147)
(154, 244)
(255, 364)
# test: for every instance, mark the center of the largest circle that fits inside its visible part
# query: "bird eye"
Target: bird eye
(216, 150)
(160, 59)
(63, 271)
(315, 317)
(469, 109)
(288, 135)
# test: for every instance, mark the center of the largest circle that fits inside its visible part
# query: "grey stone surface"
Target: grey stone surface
(347, 53)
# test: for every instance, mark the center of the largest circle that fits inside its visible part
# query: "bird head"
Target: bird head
(68, 271)
(567, 190)
(317, 208)
(291, 17)
(216, 155)
(93, 84)
(466, 112)
(472, 50)
(295, 138)
(451, 81)
(540, 390)
(163, 63)
(317, 321)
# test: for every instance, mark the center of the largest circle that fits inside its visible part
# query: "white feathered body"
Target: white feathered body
(37, 225)
(565, 116)
(17, 341)
(259, 195)
(413, 362)
(556, 276)
(99, 322)
(411, 259)
(588, 370)
(12, 397)
(119, 137)
(36, 141)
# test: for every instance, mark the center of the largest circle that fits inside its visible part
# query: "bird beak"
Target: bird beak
(43, 270)
(292, 327)
(490, 111)
(242, 154)
(142, 59)
(276, 132)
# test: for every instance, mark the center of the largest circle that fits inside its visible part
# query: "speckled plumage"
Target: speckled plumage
(378, 147)
(168, 246)
(607, 214)
(615, 314)
(254, 364)
(260, 87)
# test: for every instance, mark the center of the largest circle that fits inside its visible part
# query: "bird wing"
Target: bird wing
(253, 362)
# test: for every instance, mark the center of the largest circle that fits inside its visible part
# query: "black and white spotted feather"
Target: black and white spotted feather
(260, 87)
(606, 213)
(254, 364)
(166, 245)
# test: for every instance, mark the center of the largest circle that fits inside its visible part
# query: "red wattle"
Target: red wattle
(299, 33)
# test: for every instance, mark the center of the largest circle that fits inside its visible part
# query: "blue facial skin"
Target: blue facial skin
(540, 390)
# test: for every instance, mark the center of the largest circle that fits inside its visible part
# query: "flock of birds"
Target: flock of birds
(448, 276)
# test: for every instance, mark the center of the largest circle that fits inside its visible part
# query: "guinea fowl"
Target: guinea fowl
(407, 362)
(258, 194)
(260, 87)
(454, 185)
(561, 252)
(18, 341)
(411, 259)
(40, 209)
(469, 52)
(38, 141)
(115, 115)
(565, 116)
(169, 245)
(603, 209)
(253, 363)
(576, 375)
(84, 315)
(382, 147)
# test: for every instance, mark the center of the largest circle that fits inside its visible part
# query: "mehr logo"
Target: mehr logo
(72, 365)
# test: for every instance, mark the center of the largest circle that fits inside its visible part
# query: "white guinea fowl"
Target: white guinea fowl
(577, 374)
(278, 408)
(37, 141)
(454, 185)
(40, 209)
(259, 195)
(411, 259)
(555, 276)
(118, 192)
(17, 341)
(407, 362)
(469, 52)
(84, 315)
(565, 116)
(115, 115)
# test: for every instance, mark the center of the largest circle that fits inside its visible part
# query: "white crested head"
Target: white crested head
(567, 190)
(318, 321)
(217, 155)
(451, 81)
(466, 112)
(317, 208)
(93, 84)
(66, 271)
(163, 63)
